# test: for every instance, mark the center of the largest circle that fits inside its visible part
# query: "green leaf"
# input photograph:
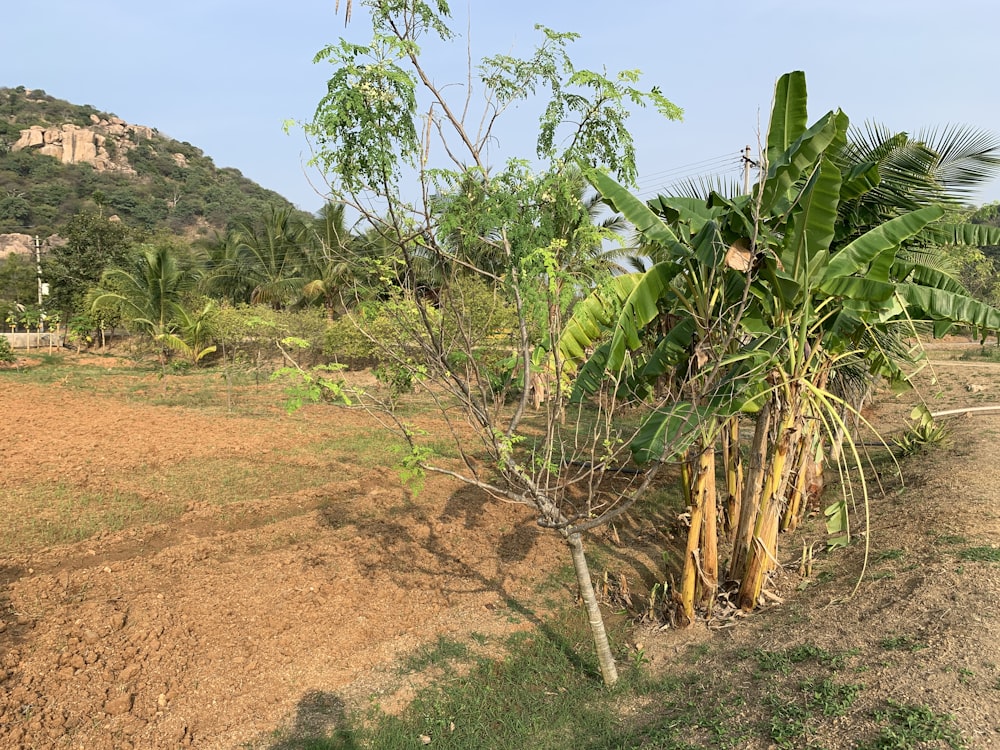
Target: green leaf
(857, 288)
(861, 179)
(974, 235)
(671, 350)
(789, 114)
(808, 245)
(640, 309)
(594, 316)
(939, 304)
(885, 238)
(667, 433)
(684, 210)
(646, 223)
(837, 524)
(802, 157)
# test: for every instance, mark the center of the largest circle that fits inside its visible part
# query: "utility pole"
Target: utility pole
(747, 163)
(38, 267)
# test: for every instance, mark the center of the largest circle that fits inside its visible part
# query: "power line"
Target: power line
(732, 165)
(698, 166)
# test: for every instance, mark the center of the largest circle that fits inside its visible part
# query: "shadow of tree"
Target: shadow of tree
(11, 633)
(320, 724)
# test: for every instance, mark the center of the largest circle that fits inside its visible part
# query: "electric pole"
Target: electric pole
(38, 267)
(747, 163)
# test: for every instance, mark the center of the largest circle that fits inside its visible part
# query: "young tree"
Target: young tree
(93, 244)
(150, 298)
(413, 162)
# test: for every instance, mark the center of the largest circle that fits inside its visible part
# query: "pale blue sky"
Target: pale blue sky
(224, 74)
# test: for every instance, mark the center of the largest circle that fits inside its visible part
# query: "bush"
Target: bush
(6, 353)
(253, 334)
(373, 333)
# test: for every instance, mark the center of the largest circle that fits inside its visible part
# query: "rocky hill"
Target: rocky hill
(73, 144)
(58, 159)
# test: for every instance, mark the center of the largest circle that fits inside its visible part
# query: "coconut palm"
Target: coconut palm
(150, 296)
(262, 263)
(329, 259)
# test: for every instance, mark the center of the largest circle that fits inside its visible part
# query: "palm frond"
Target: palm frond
(966, 156)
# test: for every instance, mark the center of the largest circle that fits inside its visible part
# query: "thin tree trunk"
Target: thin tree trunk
(605, 658)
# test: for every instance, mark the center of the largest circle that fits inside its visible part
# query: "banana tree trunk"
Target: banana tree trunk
(605, 658)
(699, 578)
(733, 467)
(752, 490)
(761, 555)
(807, 466)
(708, 577)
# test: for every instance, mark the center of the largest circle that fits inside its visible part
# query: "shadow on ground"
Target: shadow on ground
(320, 723)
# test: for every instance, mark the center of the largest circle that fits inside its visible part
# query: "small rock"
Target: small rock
(120, 705)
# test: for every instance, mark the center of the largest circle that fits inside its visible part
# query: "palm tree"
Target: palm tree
(150, 296)
(262, 262)
(330, 259)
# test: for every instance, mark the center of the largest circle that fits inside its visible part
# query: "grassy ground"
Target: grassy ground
(541, 695)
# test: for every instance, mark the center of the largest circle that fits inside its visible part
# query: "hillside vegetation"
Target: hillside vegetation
(147, 179)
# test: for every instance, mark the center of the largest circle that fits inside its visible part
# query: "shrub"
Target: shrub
(252, 333)
(6, 353)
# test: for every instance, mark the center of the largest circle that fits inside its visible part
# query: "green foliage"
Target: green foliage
(374, 332)
(922, 431)
(910, 726)
(93, 244)
(251, 335)
(318, 383)
(6, 353)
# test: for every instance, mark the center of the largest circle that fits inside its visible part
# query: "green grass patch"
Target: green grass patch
(782, 661)
(901, 643)
(950, 539)
(829, 697)
(443, 653)
(546, 694)
(227, 480)
(909, 726)
(52, 513)
(980, 554)
(889, 554)
(983, 353)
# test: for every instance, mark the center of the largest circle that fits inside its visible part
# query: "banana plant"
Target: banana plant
(801, 288)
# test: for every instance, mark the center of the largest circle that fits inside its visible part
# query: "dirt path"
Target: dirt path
(227, 621)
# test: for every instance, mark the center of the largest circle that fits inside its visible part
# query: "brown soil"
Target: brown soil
(229, 621)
